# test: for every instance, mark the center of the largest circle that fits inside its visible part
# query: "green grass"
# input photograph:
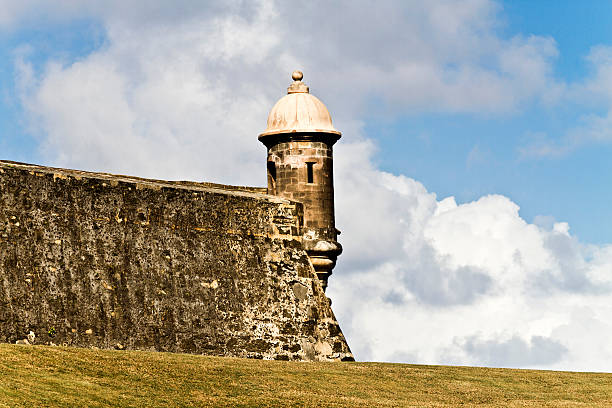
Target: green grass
(36, 376)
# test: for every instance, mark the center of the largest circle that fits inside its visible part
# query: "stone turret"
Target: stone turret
(299, 138)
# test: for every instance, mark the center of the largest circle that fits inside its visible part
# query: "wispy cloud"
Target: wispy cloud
(594, 128)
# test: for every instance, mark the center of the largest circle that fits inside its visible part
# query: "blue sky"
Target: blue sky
(575, 26)
(454, 114)
(470, 155)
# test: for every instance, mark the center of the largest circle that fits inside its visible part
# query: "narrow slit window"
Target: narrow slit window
(309, 166)
(272, 170)
(271, 177)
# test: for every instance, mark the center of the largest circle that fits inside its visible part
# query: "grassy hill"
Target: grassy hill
(36, 376)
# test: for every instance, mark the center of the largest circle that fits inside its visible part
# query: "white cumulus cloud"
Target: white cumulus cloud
(430, 281)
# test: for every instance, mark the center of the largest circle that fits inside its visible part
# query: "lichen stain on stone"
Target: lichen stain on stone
(57, 176)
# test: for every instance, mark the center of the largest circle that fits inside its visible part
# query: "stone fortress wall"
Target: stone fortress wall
(92, 259)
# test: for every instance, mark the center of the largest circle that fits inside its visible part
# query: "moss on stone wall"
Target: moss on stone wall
(89, 259)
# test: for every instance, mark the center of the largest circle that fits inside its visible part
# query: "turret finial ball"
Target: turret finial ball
(297, 75)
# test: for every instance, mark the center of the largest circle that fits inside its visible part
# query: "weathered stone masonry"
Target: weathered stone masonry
(90, 259)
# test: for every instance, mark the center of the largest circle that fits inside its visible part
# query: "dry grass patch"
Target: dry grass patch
(70, 377)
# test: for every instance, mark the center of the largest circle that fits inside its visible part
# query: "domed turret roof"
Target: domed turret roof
(299, 112)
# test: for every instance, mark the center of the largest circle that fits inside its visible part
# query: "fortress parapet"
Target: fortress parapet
(94, 259)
